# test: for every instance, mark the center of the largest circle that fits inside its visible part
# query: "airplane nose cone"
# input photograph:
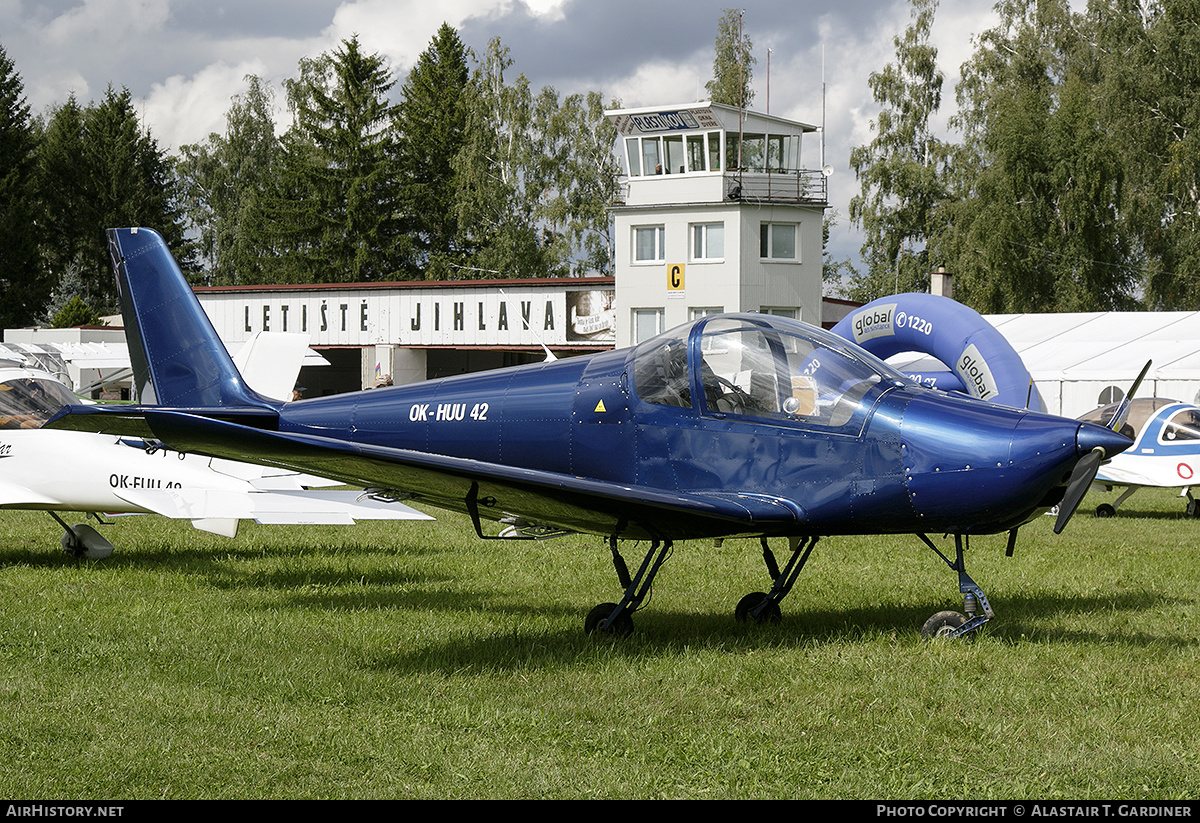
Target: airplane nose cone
(1090, 437)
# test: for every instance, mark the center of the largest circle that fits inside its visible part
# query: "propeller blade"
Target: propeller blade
(1123, 410)
(1081, 477)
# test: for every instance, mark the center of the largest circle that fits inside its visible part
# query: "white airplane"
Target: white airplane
(1165, 453)
(49, 470)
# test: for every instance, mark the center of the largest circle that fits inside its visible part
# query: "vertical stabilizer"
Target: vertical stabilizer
(178, 360)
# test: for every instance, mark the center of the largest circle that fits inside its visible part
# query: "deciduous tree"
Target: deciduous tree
(227, 184)
(733, 63)
(902, 170)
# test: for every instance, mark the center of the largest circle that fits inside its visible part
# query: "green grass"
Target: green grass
(418, 661)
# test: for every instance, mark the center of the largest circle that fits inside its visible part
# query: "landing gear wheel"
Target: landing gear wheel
(1193, 510)
(771, 614)
(942, 624)
(621, 627)
(1105, 510)
(72, 546)
(81, 540)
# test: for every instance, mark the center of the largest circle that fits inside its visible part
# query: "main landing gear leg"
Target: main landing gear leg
(954, 624)
(763, 607)
(615, 618)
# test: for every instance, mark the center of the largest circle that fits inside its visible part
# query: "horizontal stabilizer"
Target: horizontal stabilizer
(130, 421)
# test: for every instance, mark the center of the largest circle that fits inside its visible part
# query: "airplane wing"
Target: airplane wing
(484, 490)
(17, 496)
(314, 507)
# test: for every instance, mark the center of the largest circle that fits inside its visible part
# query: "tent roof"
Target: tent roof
(1107, 346)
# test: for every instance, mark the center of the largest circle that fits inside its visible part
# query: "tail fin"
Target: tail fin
(178, 359)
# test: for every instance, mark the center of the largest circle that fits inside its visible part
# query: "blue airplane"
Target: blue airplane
(735, 425)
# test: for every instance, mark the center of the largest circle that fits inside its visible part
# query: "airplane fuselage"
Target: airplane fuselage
(908, 459)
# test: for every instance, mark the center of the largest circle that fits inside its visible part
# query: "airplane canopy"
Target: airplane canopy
(760, 366)
(27, 401)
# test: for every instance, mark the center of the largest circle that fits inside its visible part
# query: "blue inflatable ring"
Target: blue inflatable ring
(981, 362)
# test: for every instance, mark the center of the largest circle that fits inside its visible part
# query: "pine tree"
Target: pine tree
(336, 206)
(432, 120)
(100, 170)
(24, 283)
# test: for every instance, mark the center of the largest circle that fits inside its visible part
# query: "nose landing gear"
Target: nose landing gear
(951, 623)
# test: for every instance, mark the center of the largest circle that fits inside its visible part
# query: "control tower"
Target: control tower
(714, 214)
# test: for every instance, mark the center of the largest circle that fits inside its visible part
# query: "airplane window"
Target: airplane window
(660, 373)
(1183, 426)
(27, 403)
(1141, 409)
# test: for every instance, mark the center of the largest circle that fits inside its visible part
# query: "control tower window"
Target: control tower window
(634, 153)
(676, 162)
(651, 155)
(714, 151)
(688, 153)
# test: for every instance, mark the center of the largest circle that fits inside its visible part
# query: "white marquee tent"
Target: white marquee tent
(1081, 361)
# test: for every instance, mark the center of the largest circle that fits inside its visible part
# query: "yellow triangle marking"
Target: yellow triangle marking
(600, 406)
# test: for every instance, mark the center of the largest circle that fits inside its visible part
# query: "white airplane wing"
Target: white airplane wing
(17, 496)
(269, 479)
(306, 507)
(1123, 477)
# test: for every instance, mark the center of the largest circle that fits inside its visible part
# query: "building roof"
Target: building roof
(700, 115)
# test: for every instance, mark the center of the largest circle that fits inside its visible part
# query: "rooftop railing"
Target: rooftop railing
(806, 187)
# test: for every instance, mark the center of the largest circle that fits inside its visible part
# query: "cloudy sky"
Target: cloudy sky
(182, 60)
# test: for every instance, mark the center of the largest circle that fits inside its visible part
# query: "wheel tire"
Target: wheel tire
(71, 545)
(622, 626)
(941, 625)
(1105, 510)
(747, 604)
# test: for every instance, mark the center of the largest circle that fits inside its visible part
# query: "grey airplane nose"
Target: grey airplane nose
(1090, 437)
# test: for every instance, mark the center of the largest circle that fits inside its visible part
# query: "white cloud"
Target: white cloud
(106, 21)
(549, 10)
(659, 84)
(402, 30)
(183, 110)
